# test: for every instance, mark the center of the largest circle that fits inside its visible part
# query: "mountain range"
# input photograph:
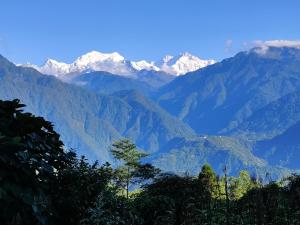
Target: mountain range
(242, 112)
(116, 64)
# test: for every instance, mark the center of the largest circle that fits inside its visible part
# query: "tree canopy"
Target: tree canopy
(43, 183)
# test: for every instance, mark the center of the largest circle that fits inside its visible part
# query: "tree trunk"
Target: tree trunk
(227, 197)
(127, 183)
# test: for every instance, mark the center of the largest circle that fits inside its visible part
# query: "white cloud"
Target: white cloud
(263, 46)
(278, 43)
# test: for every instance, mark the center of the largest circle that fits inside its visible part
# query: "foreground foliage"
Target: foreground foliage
(42, 183)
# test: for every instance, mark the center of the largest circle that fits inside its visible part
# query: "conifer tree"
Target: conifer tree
(131, 169)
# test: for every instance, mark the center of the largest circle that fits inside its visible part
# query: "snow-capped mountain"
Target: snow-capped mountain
(116, 64)
(97, 61)
(182, 64)
(144, 65)
(55, 68)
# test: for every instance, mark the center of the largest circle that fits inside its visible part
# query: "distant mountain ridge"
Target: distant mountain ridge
(116, 64)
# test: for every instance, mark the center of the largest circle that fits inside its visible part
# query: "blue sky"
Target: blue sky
(34, 30)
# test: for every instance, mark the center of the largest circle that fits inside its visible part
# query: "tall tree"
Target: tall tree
(208, 182)
(239, 186)
(208, 179)
(227, 196)
(131, 169)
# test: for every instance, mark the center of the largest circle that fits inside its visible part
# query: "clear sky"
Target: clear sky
(34, 30)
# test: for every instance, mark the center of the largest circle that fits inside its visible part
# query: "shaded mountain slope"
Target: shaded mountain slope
(273, 119)
(155, 79)
(282, 150)
(107, 83)
(218, 98)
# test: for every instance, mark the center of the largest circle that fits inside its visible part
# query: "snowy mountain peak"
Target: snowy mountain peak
(117, 64)
(94, 57)
(97, 61)
(53, 67)
(144, 65)
(183, 63)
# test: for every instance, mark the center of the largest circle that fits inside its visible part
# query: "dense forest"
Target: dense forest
(41, 182)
